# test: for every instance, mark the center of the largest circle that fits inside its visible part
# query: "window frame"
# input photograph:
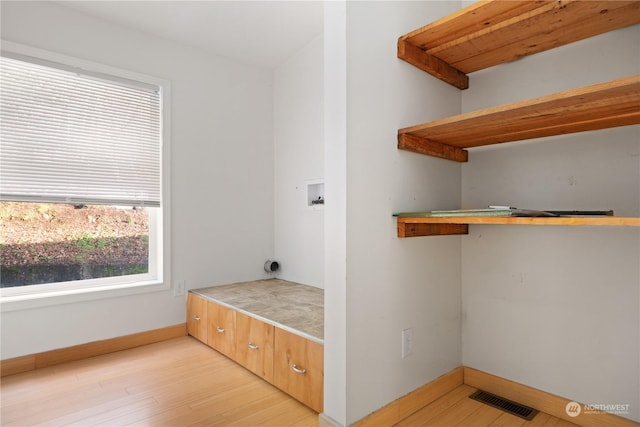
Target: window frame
(33, 296)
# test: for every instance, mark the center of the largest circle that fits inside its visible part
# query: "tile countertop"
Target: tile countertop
(288, 305)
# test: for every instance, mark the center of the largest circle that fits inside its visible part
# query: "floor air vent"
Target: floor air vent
(504, 404)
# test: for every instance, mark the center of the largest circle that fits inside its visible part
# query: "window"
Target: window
(82, 184)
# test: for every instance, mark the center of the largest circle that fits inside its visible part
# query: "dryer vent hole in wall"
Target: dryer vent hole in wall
(271, 266)
(504, 405)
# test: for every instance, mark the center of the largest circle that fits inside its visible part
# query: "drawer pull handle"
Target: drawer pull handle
(295, 369)
(219, 329)
(252, 346)
(196, 317)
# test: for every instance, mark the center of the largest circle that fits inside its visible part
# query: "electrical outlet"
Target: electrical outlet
(407, 342)
(179, 288)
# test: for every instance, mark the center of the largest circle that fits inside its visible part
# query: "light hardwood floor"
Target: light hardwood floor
(455, 409)
(182, 382)
(172, 383)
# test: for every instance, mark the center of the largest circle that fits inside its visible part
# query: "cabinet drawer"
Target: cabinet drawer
(299, 368)
(197, 317)
(254, 345)
(221, 328)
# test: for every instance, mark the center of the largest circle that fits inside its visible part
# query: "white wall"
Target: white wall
(221, 165)
(335, 236)
(299, 158)
(554, 308)
(391, 283)
(557, 308)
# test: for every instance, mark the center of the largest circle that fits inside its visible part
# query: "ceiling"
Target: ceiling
(263, 33)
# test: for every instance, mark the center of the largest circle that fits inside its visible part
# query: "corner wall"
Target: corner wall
(394, 284)
(335, 219)
(299, 158)
(221, 166)
(557, 308)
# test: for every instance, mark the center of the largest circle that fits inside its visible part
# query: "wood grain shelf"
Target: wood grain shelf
(493, 32)
(430, 226)
(600, 106)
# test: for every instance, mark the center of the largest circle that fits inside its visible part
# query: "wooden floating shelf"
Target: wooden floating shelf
(489, 33)
(600, 106)
(493, 32)
(435, 226)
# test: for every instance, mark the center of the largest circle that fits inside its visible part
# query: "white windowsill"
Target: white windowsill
(44, 299)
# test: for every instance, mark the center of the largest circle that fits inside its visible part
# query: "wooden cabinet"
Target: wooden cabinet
(489, 33)
(299, 368)
(197, 317)
(254, 345)
(285, 359)
(221, 328)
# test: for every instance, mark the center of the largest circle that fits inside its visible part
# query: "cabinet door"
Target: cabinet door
(299, 368)
(254, 345)
(221, 328)
(197, 317)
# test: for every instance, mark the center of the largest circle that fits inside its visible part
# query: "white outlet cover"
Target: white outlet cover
(407, 342)
(179, 288)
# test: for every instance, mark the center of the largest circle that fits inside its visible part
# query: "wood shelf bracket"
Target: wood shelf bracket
(433, 65)
(419, 230)
(426, 146)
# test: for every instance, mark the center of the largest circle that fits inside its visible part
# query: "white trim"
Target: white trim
(68, 292)
(326, 421)
(90, 66)
(45, 299)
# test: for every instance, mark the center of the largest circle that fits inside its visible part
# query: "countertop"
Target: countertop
(288, 305)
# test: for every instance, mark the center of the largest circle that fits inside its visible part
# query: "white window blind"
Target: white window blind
(69, 136)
